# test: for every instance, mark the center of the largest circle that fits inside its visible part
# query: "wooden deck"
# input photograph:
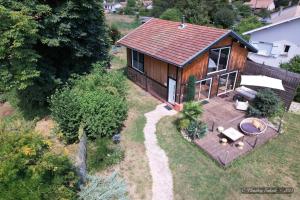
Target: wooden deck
(221, 112)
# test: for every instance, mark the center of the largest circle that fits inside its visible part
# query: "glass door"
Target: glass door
(227, 82)
(203, 89)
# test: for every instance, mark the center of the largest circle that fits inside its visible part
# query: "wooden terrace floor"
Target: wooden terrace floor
(221, 112)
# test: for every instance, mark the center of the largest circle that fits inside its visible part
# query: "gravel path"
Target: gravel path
(162, 185)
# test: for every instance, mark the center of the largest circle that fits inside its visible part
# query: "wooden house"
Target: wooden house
(162, 55)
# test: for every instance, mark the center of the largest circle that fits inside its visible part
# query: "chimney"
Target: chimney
(182, 25)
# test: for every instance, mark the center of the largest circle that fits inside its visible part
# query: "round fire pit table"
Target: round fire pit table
(253, 126)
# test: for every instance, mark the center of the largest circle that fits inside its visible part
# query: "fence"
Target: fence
(289, 79)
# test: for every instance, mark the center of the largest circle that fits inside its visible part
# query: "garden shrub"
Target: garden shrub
(65, 110)
(103, 153)
(192, 110)
(183, 123)
(96, 100)
(28, 170)
(190, 96)
(190, 121)
(196, 129)
(265, 104)
(114, 33)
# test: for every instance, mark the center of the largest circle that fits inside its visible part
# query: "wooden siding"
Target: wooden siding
(172, 72)
(156, 70)
(155, 78)
(199, 67)
(238, 57)
(129, 57)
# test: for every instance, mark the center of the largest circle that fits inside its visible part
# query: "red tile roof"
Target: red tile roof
(165, 41)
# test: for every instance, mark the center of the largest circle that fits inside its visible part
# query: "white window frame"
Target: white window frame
(138, 57)
(220, 49)
(226, 91)
(210, 85)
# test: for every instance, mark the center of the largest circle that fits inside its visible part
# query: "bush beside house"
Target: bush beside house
(265, 104)
(190, 122)
(96, 100)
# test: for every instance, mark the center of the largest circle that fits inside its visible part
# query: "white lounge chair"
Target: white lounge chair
(241, 105)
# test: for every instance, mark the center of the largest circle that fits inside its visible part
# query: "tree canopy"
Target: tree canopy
(172, 14)
(28, 169)
(43, 42)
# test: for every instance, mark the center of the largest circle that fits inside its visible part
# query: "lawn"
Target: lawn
(125, 23)
(196, 176)
(134, 168)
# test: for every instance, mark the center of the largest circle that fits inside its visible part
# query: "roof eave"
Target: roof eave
(229, 33)
(153, 56)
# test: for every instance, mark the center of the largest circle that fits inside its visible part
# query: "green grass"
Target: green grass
(103, 153)
(196, 176)
(140, 102)
(124, 23)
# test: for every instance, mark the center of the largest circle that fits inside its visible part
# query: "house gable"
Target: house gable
(165, 41)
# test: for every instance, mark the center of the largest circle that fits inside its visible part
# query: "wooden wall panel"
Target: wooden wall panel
(225, 42)
(128, 57)
(238, 57)
(197, 68)
(237, 60)
(179, 95)
(172, 71)
(156, 69)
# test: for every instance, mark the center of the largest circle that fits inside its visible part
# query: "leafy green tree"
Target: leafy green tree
(114, 33)
(48, 41)
(264, 13)
(224, 18)
(294, 66)
(247, 24)
(160, 6)
(130, 7)
(196, 11)
(28, 170)
(172, 14)
(18, 59)
(242, 9)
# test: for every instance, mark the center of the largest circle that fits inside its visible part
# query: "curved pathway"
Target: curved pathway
(162, 185)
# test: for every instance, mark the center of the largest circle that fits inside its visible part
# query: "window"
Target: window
(264, 48)
(218, 59)
(138, 61)
(286, 48)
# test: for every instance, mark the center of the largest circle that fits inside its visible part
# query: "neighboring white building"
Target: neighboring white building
(111, 7)
(284, 14)
(276, 43)
(261, 4)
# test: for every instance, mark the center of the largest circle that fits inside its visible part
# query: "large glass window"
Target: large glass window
(138, 61)
(218, 59)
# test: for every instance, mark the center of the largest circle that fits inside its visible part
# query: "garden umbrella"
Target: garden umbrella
(262, 81)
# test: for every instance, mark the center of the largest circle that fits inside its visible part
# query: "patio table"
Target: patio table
(233, 134)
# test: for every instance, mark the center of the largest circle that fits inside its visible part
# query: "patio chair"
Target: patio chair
(241, 105)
